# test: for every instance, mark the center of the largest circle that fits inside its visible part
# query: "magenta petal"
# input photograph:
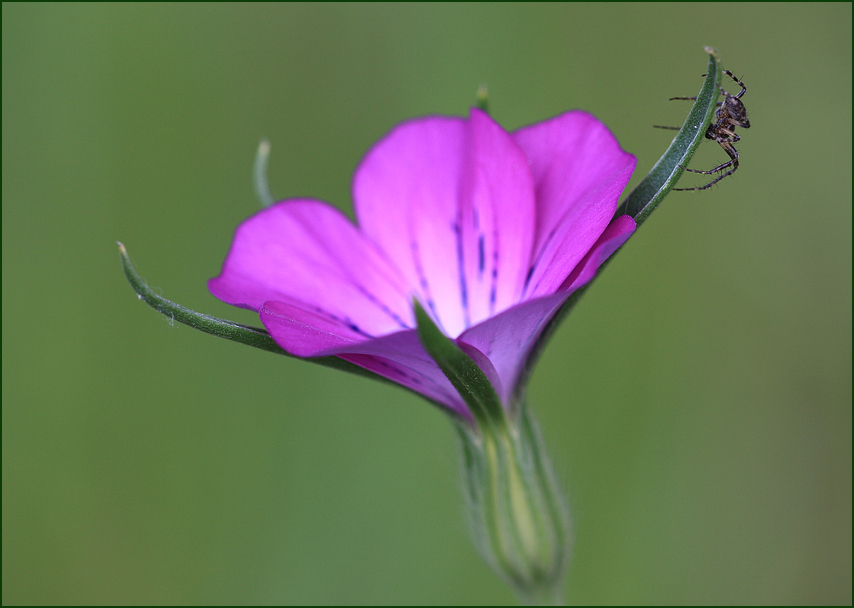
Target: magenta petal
(451, 203)
(507, 338)
(492, 232)
(307, 331)
(496, 219)
(579, 170)
(617, 233)
(401, 357)
(421, 376)
(405, 198)
(398, 356)
(309, 252)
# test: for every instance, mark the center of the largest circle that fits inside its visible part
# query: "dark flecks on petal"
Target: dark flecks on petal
(529, 288)
(528, 276)
(464, 292)
(497, 217)
(355, 328)
(579, 170)
(346, 321)
(384, 307)
(493, 278)
(423, 284)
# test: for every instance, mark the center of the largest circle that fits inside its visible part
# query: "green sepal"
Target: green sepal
(222, 328)
(663, 176)
(469, 380)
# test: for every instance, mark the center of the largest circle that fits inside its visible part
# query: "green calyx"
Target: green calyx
(515, 507)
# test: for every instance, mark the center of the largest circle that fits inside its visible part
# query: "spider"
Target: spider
(730, 114)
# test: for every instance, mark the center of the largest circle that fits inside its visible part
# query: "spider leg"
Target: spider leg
(725, 134)
(720, 167)
(741, 84)
(714, 181)
(733, 153)
(730, 114)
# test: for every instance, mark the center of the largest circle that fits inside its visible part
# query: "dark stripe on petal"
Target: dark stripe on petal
(384, 307)
(422, 280)
(528, 287)
(493, 292)
(464, 295)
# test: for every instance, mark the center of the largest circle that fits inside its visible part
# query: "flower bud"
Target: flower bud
(515, 506)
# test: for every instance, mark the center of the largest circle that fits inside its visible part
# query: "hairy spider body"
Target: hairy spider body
(730, 114)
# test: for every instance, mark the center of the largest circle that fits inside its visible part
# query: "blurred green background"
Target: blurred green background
(697, 402)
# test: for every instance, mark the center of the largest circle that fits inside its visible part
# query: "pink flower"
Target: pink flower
(491, 231)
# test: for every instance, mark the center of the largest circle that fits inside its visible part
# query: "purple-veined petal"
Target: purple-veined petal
(309, 252)
(405, 198)
(507, 339)
(492, 232)
(579, 170)
(398, 356)
(450, 201)
(307, 330)
(497, 219)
